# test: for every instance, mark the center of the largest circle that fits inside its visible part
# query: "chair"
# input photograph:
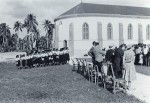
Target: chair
(90, 71)
(94, 74)
(85, 68)
(79, 65)
(75, 64)
(97, 75)
(104, 74)
(119, 84)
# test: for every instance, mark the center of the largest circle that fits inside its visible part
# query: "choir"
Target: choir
(54, 57)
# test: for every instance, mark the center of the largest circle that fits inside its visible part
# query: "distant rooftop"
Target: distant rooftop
(88, 8)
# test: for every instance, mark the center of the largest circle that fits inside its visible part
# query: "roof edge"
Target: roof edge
(100, 15)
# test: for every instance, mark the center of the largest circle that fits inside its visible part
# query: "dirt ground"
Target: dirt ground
(53, 84)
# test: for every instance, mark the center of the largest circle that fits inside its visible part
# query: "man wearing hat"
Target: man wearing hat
(110, 54)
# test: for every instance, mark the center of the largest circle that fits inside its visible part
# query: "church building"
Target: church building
(107, 24)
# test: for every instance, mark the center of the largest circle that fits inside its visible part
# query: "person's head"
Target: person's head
(123, 46)
(93, 43)
(110, 47)
(96, 43)
(103, 49)
(129, 47)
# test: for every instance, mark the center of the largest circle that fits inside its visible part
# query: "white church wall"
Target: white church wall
(145, 40)
(134, 24)
(82, 46)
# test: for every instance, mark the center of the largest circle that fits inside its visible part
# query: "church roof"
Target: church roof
(88, 8)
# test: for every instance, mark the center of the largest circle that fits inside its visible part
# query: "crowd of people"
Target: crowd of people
(142, 55)
(53, 57)
(122, 58)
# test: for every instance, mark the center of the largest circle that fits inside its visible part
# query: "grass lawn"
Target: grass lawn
(143, 70)
(55, 84)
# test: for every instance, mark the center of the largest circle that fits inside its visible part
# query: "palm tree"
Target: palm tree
(42, 43)
(20, 44)
(17, 28)
(4, 35)
(36, 37)
(31, 24)
(13, 41)
(48, 26)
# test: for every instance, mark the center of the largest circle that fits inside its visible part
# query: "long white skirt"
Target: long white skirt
(130, 74)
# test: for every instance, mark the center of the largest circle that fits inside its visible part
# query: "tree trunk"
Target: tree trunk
(47, 41)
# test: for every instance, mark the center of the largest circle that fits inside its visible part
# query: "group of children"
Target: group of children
(54, 57)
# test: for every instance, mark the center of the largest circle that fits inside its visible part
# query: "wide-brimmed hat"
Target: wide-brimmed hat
(111, 46)
(129, 46)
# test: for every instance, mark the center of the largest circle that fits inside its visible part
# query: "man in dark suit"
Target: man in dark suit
(110, 54)
(110, 58)
(118, 61)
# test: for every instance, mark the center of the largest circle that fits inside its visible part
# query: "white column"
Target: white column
(140, 33)
(71, 39)
(121, 38)
(99, 33)
(56, 37)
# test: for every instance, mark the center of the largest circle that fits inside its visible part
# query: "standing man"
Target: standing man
(118, 61)
(98, 53)
(91, 53)
(110, 54)
(110, 58)
(145, 51)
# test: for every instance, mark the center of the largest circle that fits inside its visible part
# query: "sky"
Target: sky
(16, 10)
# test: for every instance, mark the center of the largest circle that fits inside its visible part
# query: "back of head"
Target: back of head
(110, 47)
(96, 43)
(93, 43)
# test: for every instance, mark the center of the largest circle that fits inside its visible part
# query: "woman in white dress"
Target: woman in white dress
(128, 62)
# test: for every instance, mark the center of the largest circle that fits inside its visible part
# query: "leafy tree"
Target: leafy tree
(20, 44)
(14, 42)
(42, 43)
(17, 27)
(48, 26)
(31, 24)
(36, 38)
(5, 35)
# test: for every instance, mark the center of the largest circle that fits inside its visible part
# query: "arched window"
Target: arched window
(148, 32)
(85, 30)
(130, 31)
(109, 31)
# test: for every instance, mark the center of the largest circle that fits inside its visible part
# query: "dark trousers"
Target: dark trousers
(117, 70)
(99, 64)
(118, 74)
(137, 58)
(144, 59)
